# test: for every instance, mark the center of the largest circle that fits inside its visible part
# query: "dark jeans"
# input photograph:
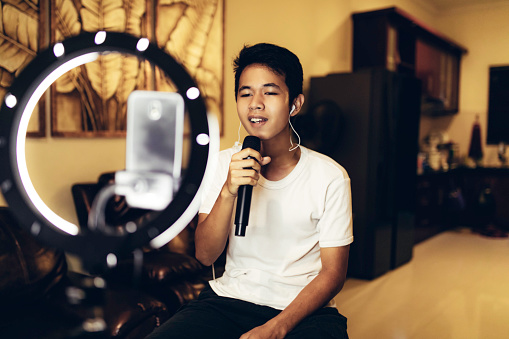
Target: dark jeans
(211, 316)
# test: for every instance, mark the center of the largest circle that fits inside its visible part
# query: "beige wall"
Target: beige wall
(319, 32)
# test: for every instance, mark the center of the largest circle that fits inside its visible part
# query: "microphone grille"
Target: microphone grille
(252, 142)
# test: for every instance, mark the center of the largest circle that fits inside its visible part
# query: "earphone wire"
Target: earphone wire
(237, 144)
(292, 148)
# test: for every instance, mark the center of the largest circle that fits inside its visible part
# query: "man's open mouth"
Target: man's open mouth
(257, 120)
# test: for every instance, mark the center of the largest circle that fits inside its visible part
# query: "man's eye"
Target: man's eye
(243, 95)
(271, 93)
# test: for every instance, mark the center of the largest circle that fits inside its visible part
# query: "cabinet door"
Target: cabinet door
(438, 70)
(427, 69)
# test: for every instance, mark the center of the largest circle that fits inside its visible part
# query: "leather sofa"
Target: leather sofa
(36, 284)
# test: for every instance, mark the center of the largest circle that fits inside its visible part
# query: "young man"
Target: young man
(281, 277)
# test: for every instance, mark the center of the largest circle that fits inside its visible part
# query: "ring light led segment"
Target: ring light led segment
(100, 37)
(10, 100)
(142, 44)
(58, 49)
(193, 93)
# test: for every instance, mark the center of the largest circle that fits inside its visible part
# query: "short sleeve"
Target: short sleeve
(335, 225)
(214, 183)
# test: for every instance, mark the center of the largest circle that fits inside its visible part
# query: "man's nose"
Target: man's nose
(256, 102)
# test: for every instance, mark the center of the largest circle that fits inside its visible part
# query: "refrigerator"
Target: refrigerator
(377, 143)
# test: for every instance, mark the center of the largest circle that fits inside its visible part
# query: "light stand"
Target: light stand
(97, 249)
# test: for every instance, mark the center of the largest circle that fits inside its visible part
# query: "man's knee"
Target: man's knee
(325, 323)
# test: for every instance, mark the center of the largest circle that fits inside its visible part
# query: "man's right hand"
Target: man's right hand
(244, 170)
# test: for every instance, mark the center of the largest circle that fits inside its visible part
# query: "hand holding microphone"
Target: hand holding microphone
(245, 192)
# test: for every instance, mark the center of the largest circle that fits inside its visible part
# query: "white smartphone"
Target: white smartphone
(155, 132)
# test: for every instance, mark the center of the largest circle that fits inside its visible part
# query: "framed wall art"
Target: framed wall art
(22, 27)
(91, 100)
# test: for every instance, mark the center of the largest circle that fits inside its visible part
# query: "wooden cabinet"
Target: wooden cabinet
(392, 39)
(467, 197)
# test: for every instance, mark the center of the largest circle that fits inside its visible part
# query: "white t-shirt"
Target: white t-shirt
(289, 221)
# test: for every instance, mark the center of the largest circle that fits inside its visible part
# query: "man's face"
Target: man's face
(263, 102)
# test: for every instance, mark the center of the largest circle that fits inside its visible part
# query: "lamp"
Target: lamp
(97, 249)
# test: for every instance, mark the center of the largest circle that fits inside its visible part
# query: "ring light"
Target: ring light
(15, 183)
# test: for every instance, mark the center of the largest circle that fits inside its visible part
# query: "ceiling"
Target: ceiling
(455, 4)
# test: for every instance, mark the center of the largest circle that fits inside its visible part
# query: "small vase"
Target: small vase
(475, 150)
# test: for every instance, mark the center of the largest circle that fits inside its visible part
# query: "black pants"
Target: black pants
(211, 316)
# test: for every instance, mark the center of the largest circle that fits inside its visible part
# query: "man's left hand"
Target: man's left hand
(266, 331)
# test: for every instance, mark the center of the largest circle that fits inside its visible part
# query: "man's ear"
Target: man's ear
(298, 102)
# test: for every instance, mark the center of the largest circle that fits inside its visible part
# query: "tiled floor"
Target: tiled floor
(456, 286)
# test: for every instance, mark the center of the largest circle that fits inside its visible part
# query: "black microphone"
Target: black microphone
(245, 192)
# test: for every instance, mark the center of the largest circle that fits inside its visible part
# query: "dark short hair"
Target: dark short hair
(278, 59)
